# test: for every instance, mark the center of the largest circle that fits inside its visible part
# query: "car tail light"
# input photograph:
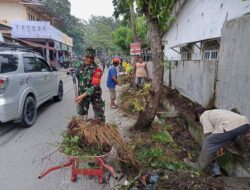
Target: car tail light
(3, 85)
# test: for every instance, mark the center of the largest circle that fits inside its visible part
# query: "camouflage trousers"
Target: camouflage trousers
(97, 104)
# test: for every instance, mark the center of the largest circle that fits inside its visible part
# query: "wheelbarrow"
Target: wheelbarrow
(78, 167)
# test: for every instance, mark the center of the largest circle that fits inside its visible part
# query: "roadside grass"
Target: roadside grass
(156, 149)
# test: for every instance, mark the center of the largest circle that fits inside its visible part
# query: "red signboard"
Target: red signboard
(135, 48)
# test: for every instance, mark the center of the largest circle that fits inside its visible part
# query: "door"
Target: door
(34, 78)
(49, 76)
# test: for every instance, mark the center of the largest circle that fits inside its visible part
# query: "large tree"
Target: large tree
(158, 16)
(126, 9)
(123, 35)
(98, 33)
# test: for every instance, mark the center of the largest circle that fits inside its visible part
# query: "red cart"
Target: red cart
(80, 166)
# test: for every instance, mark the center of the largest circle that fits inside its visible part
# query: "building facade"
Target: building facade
(35, 26)
(196, 31)
(192, 46)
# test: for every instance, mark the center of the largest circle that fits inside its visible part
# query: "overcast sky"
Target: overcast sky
(83, 9)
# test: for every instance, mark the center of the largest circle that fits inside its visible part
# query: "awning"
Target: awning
(5, 26)
(179, 45)
(193, 42)
(36, 45)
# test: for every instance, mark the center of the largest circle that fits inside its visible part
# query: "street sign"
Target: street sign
(135, 48)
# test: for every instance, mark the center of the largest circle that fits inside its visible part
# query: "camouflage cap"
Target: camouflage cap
(90, 51)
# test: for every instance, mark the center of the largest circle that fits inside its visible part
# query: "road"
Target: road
(25, 152)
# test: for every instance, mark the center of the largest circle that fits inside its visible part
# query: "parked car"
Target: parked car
(26, 82)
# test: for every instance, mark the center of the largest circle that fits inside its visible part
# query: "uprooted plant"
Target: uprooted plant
(94, 138)
(133, 100)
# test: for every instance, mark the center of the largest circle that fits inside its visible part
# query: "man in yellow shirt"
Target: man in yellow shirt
(129, 68)
(221, 127)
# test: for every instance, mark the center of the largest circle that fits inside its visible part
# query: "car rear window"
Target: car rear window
(8, 63)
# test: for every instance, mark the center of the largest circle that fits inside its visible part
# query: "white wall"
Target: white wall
(193, 79)
(233, 87)
(201, 19)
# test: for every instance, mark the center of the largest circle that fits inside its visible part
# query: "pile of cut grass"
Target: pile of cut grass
(95, 138)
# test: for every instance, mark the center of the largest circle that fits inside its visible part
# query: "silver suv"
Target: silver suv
(26, 81)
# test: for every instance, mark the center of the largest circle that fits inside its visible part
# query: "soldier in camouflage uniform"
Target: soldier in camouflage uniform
(89, 91)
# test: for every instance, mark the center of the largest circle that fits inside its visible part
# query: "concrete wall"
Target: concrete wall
(201, 19)
(196, 79)
(10, 11)
(233, 87)
(193, 79)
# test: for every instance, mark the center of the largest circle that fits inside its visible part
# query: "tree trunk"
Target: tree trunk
(146, 117)
(133, 20)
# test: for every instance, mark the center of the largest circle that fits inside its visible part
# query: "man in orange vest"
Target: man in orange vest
(89, 87)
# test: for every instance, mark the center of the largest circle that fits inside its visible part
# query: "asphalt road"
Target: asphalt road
(25, 152)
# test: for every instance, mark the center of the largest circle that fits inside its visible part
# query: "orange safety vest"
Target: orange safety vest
(96, 78)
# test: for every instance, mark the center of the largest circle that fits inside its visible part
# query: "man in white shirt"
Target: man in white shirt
(220, 127)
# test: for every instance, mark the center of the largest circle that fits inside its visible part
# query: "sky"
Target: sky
(83, 9)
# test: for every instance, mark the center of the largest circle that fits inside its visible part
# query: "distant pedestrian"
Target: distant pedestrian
(103, 65)
(89, 87)
(61, 61)
(112, 81)
(129, 68)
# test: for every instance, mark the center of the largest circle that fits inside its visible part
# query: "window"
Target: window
(43, 66)
(211, 55)
(186, 52)
(30, 65)
(211, 51)
(8, 63)
(31, 17)
(184, 55)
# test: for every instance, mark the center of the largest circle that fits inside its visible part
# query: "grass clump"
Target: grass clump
(134, 101)
(163, 137)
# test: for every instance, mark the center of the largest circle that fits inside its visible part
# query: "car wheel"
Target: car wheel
(29, 112)
(59, 96)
